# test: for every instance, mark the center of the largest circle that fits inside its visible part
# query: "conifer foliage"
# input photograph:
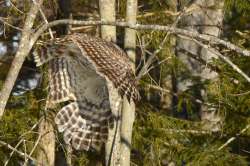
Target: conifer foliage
(169, 128)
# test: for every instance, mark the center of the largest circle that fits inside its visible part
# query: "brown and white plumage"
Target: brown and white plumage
(110, 62)
(79, 67)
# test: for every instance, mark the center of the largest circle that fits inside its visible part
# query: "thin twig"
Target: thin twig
(17, 151)
(199, 132)
(158, 64)
(240, 94)
(7, 161)
(16, 8)
(16, 65)
(44, 18)
(144, 69)
(170, 13)
(23, 50)
(158, 88)
(25, 150)
(21, 140)
(10, 25)
(188, 33)
(33, 149)
(233, 138)
(226, 59)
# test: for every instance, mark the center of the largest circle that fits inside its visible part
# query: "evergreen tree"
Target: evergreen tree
(160, 136)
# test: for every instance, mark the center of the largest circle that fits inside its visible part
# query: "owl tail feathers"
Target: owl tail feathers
(81, 128)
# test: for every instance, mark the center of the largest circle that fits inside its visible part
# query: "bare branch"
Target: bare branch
(10, 25)
(27, 43)
(17, 145)
(33, 149)
(233, 138)
(21, 140)
(16, 8)
(17, 151)
(44, 18)
(225, 59)
(22, 52)
(198, 132)
(144, 69)
(171, 30)
(171, 13)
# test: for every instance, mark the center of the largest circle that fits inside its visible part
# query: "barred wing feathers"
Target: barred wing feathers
(110, 62)
(60, 86)
(78, 67)
(86, 119)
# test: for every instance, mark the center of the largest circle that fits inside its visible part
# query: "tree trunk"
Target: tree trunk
(107, 13)
(46, 154)
(112, 149)
(128, 110)
(207, 20)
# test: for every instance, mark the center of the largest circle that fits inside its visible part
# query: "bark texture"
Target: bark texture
(112, 149)
(46, 154)
(107, 13)
(207, 20)
(128, 110)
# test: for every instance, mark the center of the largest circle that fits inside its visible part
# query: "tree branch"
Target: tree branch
(225, 59)
(27, 43)
(144, 69)
(170, 29)
(233, 138)
(19, 152)
(44, 18)
(22, 52)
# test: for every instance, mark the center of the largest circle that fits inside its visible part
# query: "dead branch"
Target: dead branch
(44, 18)
(27, 43)
(172, 30)
(21, 140)
(17, 145)
(176, 131)
(22, 52)
(24, 155)
(225, 59)
(2, 19)
(144, 69)
(33, 149)
(233, 138)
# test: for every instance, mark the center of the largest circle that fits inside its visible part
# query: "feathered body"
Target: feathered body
(79, 67)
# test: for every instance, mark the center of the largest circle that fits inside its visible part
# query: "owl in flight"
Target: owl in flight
(79, 67)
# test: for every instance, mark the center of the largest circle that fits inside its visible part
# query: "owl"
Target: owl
(79, 67)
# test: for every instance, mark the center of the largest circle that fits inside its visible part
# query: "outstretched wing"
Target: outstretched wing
(110, 62)
(79, 67)
(87, 116)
